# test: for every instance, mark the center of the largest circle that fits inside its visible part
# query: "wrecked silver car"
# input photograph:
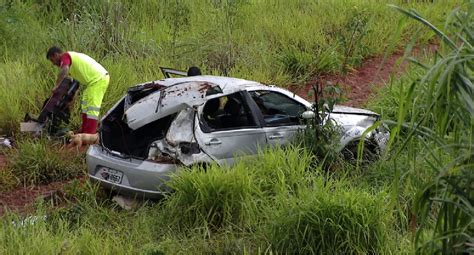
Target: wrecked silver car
(162, 125)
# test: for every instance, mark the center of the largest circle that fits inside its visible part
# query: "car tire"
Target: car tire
(370, 152)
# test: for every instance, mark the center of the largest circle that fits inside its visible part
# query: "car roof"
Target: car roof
(227, 84)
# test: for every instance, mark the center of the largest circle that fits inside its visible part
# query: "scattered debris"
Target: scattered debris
(29, 220)
(6, 142)
(126, 203)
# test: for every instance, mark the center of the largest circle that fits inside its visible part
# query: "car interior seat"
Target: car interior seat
(234, 116)
(211, 113)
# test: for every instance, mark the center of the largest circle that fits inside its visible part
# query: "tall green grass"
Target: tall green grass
(212, 199)
(283, 204)
(434, 113)
(41, 161)
(216, 197)
(332, 218)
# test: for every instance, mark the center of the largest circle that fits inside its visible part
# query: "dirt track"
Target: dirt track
(359, 83)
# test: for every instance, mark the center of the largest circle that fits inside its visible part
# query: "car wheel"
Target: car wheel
(370, 152)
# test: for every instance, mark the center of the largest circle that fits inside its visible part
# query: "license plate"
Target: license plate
(110, 175)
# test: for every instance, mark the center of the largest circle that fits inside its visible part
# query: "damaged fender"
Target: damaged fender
(180, 142)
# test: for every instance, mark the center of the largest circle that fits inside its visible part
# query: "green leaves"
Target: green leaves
(446, 110)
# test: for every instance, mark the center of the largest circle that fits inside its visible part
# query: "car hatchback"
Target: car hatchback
(161, 125)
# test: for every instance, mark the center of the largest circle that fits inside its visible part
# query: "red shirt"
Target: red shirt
(65, 60)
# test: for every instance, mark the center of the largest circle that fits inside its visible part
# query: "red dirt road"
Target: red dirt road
(359, 84)
(21, 200)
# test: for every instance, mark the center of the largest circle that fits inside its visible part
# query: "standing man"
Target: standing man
(93, 78)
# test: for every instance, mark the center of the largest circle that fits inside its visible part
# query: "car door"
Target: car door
(227, 128)
(280, 115)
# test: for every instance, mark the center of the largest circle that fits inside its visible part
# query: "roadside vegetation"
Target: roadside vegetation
(417, 199)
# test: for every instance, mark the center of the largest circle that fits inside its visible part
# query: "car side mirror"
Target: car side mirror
(308, 115)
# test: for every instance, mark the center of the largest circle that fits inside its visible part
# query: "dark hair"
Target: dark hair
(194, 71)
(53, 50)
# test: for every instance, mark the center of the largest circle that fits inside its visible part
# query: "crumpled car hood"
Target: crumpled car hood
(167, 101)
(349, 110)
(353, 117)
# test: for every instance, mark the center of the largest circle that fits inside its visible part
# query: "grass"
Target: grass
(212, 199)
(332, 218)
(83, 227)
(35, 162)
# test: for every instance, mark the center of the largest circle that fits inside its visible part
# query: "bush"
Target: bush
(331, 219)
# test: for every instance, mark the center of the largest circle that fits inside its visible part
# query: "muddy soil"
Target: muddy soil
(3, 161)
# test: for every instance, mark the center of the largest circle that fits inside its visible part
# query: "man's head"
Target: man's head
(194, 71)
(54, 55)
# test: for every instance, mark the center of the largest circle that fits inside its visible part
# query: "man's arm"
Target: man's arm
(61, 76)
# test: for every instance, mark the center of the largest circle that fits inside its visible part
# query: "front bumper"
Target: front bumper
(141, 178)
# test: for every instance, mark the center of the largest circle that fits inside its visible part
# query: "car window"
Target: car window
(278, 109)
(226, 112)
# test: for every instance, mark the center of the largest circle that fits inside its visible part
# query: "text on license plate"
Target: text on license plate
(110, 175)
